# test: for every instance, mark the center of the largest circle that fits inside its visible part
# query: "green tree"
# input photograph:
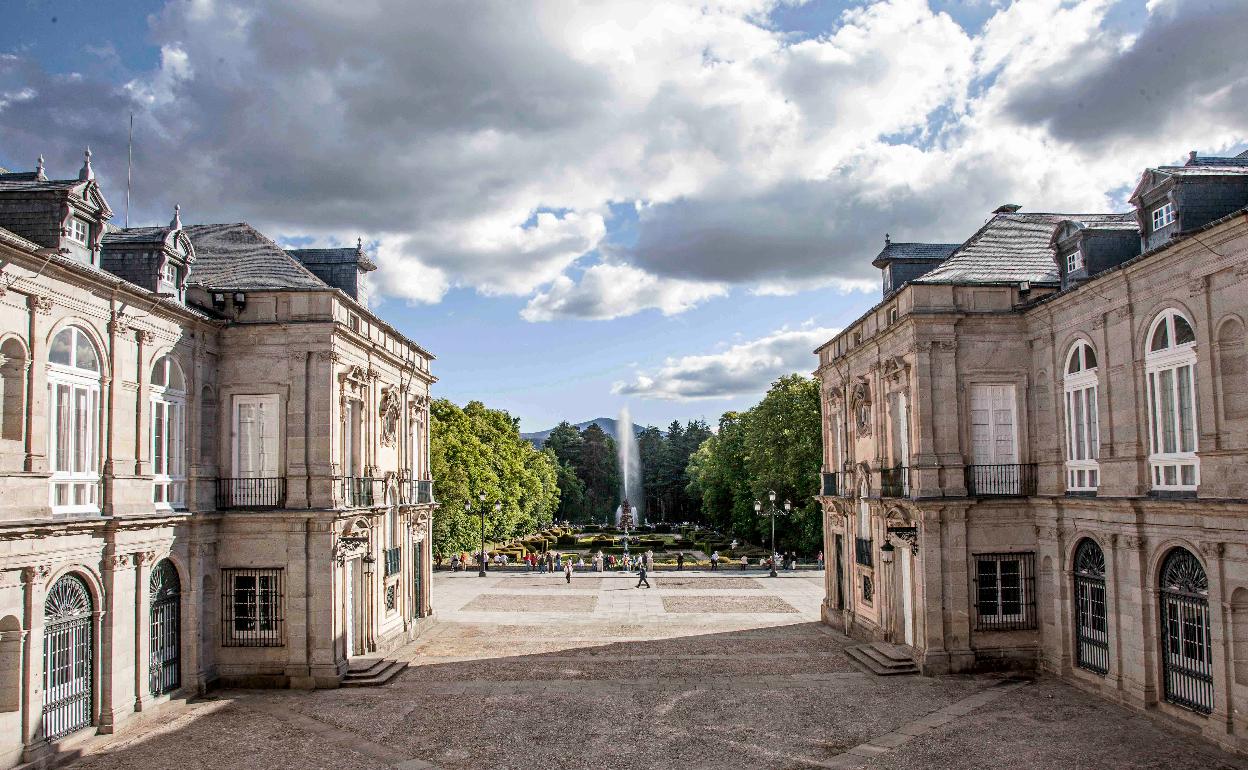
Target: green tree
(475, 450)
(599, 471)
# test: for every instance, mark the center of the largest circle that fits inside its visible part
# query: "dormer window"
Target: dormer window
(1163, 215)
(78, 230)
(1074, 261)
(888, 279)
(169, 280)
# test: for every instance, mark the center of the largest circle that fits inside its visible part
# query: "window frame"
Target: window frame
(77, 488)
(78, 230)
(262, 624)
(169, 458)
(1074, 261)
(1081, 389)
(1165, 370)
(1163, 215)
(998, 620)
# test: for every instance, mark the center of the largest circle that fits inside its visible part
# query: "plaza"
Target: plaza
(520, 670)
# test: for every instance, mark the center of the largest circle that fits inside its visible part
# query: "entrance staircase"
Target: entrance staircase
(371, 672)
(882, 659)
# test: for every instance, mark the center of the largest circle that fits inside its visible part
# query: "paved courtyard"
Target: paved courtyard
(701, 671)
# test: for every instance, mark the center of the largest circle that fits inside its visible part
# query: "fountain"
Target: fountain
(630, 465)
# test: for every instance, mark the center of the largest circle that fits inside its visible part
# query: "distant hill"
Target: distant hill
(609, 425)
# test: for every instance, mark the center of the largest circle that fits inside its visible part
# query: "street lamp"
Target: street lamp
(886, 552)
(468, 509)
(773, 512)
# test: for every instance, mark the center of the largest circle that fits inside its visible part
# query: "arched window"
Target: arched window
(168, 397)
(164, 629)
(68, 655)
(12, 390)
(1170, 362)
(1083, 438)
(1186, 645)
(74, 422)
(1091, 620)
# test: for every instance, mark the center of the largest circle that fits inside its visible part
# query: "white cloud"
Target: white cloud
(607, 291)
(483, 144)
(745, 368)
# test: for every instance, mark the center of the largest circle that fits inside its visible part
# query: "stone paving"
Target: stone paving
(525, 671)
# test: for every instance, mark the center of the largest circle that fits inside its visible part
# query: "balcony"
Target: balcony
(416, 492)
(895, 482)
(862, 551)
(392, 561)
(828, 487)
(1017, 480)
(357, 491)
(251, 493)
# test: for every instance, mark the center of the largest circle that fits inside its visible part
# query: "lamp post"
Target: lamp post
(468, 509)
(773, 512)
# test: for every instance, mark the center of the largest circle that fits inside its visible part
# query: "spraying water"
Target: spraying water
(630, 466)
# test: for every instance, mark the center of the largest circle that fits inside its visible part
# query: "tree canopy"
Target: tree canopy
(773, 446)
(477, 450)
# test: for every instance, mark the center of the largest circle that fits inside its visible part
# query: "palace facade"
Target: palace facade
(1036, 450)
(214, 465)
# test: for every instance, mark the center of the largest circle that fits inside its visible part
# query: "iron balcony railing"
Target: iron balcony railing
(845, 484)
(829, 487)
(862, 551)
(895, 482)
(416, 492)
(392, 561)
(1017, 480)
(357, 491)
(251, 493)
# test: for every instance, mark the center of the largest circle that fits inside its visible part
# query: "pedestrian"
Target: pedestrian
(680, 561)
(714, 560)
(567, 571)
(641, 576)
(745, 563)
(819, 560)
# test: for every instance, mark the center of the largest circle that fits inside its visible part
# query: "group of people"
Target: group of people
(554, 561)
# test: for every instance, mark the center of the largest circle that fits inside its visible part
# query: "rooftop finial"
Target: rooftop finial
(39, 173)
(1191, 158)
(887, 239)
(85, 174)
(176, 224)
(359, 244)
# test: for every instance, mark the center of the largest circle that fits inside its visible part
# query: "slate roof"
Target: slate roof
(237, 257)
(1012, 247)
(1239, 160)
(913, 252)
(115, 236)
(29, 181)
(351, 254)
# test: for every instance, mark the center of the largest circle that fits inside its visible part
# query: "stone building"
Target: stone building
(1036, 448)
(214, 466)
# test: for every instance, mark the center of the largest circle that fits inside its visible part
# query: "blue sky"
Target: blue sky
(664, 204)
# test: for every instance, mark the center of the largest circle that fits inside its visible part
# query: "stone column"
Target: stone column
(37, 386)
(1220, 633)
(1138, 620)
(116, 640)
(142, 627)
(34, 582)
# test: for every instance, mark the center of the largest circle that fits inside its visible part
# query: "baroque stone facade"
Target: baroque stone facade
(1035, 452)
(214, 467)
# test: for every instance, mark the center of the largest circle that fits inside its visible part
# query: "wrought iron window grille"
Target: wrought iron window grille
(1005, 591)
(252, 603)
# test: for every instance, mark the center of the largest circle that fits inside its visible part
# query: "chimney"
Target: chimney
(1191, 158)
(1008, 208)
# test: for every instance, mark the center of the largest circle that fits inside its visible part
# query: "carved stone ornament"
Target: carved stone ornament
(120, 561)
(327, 356)
(1211, 550)
(389, 412)
(36, 573)
(147, 337)
(120, 323)
(352, 542)
(41, 305)
(834, 394)
(354, 382)
(860, 402)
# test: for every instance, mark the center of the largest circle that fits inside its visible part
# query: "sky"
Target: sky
(577, 206)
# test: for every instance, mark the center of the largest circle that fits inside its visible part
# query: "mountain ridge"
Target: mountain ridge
(609, 425)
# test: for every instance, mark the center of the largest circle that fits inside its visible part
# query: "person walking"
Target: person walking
(714, 560)
(567, 571)
(680, 561)
(745, 563)
(641, 575)
(819, 560)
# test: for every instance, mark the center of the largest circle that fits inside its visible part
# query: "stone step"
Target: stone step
(866, 656)
(365, 666)
(375, 677)
(888, 659)
(893, 652)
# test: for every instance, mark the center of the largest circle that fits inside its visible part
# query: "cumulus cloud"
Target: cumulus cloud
(484, 145)
(607, 291)
(745, 368)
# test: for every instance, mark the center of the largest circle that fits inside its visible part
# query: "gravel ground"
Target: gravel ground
(620, 680)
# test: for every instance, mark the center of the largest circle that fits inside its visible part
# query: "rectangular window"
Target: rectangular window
(1074, 261)
(1163, 215)
(73, 434)
(78, 230)
(251, 607)
(1005, 591)
(1082, 438)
